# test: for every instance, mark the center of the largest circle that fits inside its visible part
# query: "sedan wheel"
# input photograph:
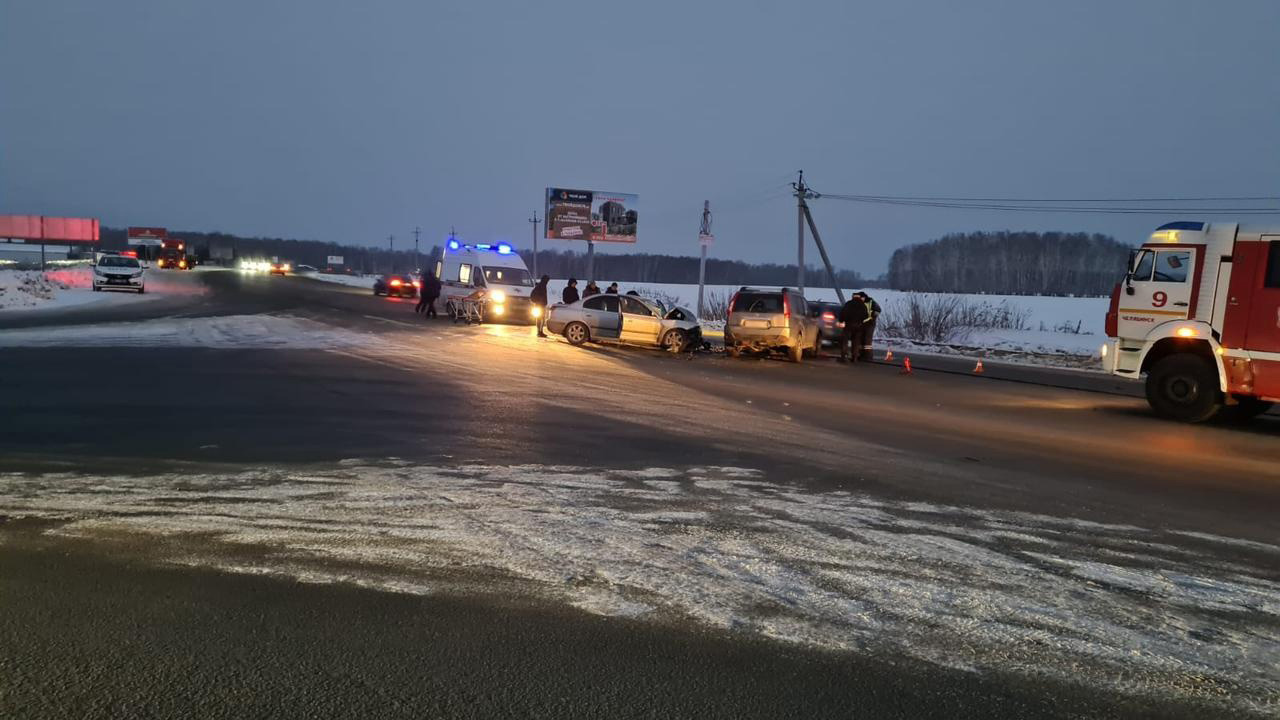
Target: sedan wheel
(674, 340)
(576, 333)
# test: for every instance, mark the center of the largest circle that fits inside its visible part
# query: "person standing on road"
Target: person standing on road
(869, 327)
(854, 316)
(570, 294)
(429, 293)
(591, 289)
(612, 289)
(539, 299)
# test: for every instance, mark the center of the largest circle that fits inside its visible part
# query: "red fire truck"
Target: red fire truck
(1198, 313)
(173, 255)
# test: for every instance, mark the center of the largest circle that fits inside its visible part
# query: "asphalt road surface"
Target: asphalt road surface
(279, 496)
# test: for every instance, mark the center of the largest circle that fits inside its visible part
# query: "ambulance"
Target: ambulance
(1198, 313)
(492, 273)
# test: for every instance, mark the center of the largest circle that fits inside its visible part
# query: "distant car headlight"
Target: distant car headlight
(498, 296)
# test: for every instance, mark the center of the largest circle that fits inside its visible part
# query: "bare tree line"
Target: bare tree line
(657, 268)
(1011, 263)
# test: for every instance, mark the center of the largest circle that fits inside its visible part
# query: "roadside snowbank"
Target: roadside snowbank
(72, 286)
(33, 290)
(361, 281)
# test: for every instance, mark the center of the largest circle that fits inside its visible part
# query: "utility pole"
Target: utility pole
(417, 257)
(704, 239)
(391, 245)
(804, 192)
(535, 222)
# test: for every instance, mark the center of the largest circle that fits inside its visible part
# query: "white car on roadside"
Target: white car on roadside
(625, 319)
(119, 272)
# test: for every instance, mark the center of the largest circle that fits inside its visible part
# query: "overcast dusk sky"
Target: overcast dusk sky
(348, 121)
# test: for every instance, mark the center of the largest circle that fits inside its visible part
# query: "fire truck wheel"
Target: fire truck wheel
(1184, 387)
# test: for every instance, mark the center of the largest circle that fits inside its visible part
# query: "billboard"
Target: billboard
(592, 215)
(148, 236)
(46, 229)
(335, 260)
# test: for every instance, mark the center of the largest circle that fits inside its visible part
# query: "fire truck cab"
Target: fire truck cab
(1198, 313)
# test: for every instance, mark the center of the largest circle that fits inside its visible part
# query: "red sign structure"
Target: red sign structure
(148, 236)
(55, 230)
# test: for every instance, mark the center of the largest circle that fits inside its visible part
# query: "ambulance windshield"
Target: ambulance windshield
(507, 276)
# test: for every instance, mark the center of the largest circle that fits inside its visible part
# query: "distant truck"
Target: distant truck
(1198, 313)
(173, 255)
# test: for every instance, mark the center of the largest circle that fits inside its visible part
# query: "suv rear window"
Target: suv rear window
(758, 302)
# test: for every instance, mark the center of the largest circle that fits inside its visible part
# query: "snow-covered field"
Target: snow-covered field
(1143, 610)
(1085, 317)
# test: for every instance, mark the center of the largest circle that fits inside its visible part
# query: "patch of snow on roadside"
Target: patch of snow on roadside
(360, 281)
(729, 548)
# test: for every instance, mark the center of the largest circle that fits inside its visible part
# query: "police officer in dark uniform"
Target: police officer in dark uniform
(854, 315)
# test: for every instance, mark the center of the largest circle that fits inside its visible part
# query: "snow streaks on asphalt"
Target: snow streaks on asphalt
(1144, 611)
(228, 331)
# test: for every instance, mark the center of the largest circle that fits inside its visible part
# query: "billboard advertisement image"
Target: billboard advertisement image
(592, 215)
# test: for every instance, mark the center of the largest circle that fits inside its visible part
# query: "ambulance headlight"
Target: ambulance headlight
(535, 311)
(1103, 351)
(499, 309)
(498, 296)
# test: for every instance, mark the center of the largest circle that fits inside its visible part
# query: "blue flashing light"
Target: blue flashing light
(484, 246)
(504, 249)
(453, 245)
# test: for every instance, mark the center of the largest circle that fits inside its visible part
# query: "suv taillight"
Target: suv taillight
(732, 301)
(786, 305)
